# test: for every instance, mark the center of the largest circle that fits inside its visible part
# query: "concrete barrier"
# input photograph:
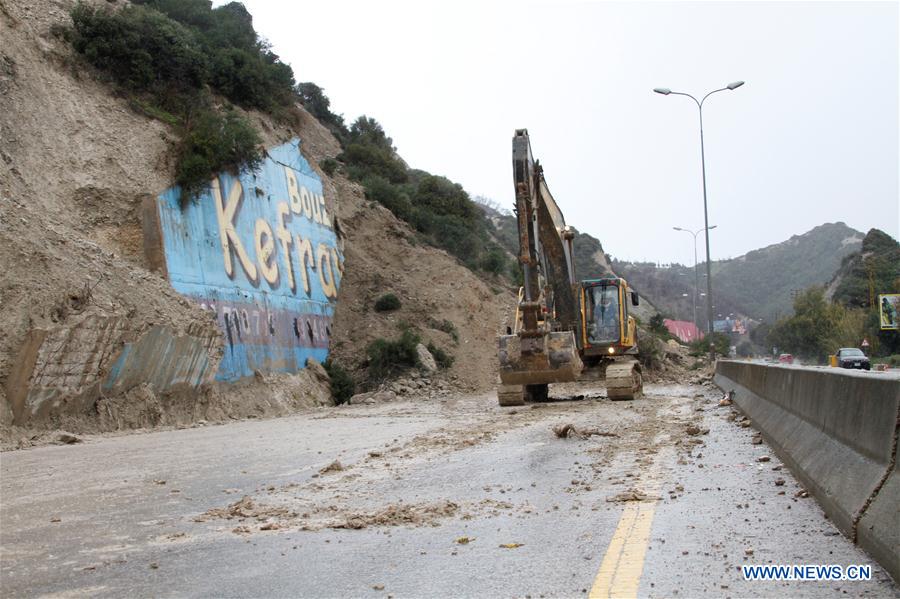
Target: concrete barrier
(837, 432)
(878, 531)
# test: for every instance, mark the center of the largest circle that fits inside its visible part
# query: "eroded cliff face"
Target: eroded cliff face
(76, 164)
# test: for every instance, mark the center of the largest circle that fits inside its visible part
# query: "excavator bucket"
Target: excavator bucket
(549, 358)
(623, 380)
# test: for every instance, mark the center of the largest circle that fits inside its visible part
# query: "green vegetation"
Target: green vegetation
(387, 303)
(701, 347)
(329, 166)
(211, 143)
(317, 103)
(168, 55)
(447, 327)
(388, 358)
(342, 385)
(441, 358)
(438, 209)
(819, 327)
(651, 351)
(873, 270)
(657, 325)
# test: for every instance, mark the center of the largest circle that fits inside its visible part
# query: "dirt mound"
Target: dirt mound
(383, 255)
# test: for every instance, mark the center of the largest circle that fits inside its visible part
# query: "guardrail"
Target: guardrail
(837, 431)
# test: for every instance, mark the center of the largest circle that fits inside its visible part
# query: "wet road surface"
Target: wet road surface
(662, 496)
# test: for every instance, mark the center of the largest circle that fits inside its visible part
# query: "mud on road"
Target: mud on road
(453, 496)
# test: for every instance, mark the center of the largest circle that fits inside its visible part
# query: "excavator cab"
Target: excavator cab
(607, 328)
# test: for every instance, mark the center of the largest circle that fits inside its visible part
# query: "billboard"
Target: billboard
(889, 310)
(259, 251)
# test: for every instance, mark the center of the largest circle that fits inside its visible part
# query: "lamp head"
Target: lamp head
(734, 85)
(662, 90)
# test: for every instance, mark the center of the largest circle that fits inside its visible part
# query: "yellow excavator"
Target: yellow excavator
(565, 330)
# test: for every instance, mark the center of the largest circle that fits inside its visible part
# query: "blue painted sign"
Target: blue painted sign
(259, 250)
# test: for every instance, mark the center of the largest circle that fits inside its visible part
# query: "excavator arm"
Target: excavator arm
(545, 242)
(542, 349)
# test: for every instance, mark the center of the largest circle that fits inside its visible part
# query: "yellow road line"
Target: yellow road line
(620, 572)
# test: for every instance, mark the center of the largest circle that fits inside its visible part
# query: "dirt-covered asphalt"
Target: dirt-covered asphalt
(430, 498)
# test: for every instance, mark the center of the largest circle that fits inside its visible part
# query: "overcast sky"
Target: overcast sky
(811, 138)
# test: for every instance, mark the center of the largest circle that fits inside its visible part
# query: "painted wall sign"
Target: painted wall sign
(259, 250)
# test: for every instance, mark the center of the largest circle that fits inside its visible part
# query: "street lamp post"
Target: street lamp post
(696, 271)
(709, 313)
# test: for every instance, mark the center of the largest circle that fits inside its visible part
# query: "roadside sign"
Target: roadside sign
(889, 309)
(865, 343)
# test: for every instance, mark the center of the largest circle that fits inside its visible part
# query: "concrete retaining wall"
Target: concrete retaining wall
(837, 432)
(64, 369)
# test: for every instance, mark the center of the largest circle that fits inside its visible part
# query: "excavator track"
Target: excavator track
(624, 381)
(511, 395)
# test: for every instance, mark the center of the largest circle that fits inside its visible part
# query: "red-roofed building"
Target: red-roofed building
(684, 330)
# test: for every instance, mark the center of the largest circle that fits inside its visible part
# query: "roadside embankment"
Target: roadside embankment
(837, 432)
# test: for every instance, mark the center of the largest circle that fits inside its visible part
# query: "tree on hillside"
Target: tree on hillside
(874, 269)
(818, 328)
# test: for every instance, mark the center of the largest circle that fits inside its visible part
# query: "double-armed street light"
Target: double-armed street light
(696, 271)
(666, 91)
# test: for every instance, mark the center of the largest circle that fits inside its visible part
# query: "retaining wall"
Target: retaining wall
(837, 432)
(64, 369)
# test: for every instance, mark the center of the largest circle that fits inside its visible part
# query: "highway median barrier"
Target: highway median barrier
(837, 432)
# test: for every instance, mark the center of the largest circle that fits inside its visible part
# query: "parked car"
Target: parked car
(786, 359)
(850, 357)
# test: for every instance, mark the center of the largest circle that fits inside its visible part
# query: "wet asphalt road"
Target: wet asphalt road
(130, 515)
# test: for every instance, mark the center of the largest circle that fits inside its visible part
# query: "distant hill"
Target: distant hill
(862, 275)
(758, 284)
(761, 282)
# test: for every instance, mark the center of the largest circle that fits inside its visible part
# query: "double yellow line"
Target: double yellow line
(620, 572)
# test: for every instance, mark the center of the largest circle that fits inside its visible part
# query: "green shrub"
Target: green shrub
(387, 303)
(139, 47)
(329, 166)
(447, 327)
(373, 160)
(167, 53)
(700, 347)
(494, 261)
(387, 358)
(342, 385)
(650, 350)
(388, 195)
(239, 65)
(317, 103)
(441, 358)
(213, 143)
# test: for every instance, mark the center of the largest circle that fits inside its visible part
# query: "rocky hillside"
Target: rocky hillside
(77, 158)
